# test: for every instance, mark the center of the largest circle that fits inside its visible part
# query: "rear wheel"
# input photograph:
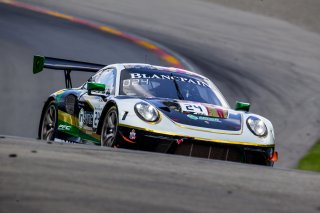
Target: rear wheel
(109, 133)
(49, 123)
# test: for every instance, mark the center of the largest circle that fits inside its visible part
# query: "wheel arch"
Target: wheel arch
(47, 102)
(109, 104)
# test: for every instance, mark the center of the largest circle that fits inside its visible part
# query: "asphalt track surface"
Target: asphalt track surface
(270, 63)
(72, 178)
(26, 33)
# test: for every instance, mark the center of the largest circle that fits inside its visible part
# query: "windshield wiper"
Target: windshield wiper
(180, 96)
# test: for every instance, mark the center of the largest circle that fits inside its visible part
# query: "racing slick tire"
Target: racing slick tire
(110, 132)
(49, 122)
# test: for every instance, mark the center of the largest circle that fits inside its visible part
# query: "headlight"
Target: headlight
(146, 112)
(257, 126)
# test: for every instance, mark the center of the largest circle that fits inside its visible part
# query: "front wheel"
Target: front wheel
(109, 133)
(49, 123)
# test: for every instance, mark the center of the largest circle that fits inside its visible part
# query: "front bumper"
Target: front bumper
(189, 146)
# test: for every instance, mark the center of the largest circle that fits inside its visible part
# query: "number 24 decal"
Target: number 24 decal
(195, 108)
(96, 117)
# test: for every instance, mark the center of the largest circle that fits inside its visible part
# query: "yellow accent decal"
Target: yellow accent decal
(150, 130)
(59, 92)
(70, 119)
(89, 103)
(89, 99)
(96, 136)
(203, 130)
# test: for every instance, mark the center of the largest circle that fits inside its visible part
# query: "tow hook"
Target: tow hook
(274, 157)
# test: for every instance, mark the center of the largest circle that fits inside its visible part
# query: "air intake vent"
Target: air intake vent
(214, 151)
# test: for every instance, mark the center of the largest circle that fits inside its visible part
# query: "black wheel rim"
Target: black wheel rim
(48, 124)
(109, 130)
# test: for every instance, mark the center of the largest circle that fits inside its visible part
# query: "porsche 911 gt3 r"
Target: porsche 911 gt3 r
(146, 107)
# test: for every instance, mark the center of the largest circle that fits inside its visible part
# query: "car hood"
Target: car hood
(198, 114)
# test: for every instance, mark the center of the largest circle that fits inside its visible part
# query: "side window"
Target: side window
(107, 77)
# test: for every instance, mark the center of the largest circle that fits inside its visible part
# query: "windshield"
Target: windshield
(150, 82)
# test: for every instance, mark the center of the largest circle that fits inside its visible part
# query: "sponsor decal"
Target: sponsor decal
(96, 116)
(63, 127)
(81, 118)
(203, 118)
(168, 77)
(217, 112)
(88, 119)
(85, 118)
(132, 135)
(209, 119)
(193, 117)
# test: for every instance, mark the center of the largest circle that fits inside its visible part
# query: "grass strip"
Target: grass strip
(311, 161)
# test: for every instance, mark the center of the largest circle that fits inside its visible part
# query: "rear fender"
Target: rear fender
(48, 101)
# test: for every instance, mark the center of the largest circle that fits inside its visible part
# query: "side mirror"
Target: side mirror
(241, 106)
(96, 87)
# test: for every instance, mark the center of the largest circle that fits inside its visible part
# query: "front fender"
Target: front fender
(109, 104)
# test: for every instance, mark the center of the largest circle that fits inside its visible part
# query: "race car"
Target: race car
(153, 108)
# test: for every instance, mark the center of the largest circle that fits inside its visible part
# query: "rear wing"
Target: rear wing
(41, 62)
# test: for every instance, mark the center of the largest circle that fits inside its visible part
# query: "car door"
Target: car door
(91, 105)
